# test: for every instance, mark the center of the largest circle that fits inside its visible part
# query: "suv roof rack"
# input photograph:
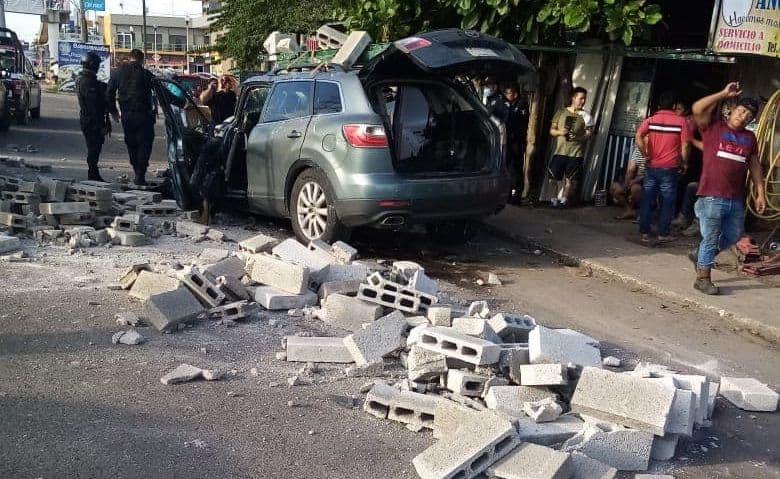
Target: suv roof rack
(315, 67)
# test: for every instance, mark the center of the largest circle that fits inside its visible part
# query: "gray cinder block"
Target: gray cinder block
(280, 274)
(317, 349)
(380, 338)
(549, 346)
(533, 461)
(460, 346)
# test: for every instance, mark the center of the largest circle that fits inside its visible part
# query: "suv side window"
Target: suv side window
(290, 99)
(327, 98)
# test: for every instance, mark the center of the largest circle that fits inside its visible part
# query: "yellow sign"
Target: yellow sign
(748, 26)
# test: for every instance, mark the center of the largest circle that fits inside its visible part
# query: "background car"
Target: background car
(23, 88)
(404, 140)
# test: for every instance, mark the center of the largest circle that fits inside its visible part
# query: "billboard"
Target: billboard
(69, 59)
(35, 7)
(96, 5)
(748, 26)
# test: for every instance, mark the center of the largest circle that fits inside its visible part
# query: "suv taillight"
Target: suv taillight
(365, 136)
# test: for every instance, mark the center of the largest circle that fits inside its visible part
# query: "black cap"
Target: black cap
(750, 104)
(91, 61)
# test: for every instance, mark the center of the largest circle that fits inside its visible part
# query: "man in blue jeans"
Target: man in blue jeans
(729, 152)
(664, 138)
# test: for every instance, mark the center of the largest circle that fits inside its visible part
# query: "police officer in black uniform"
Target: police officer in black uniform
(513, 111)
(92, 111)
(132, 83)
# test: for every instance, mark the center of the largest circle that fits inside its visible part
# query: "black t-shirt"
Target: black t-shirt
(222, 105)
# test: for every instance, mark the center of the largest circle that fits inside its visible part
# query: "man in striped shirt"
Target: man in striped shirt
(664, 138)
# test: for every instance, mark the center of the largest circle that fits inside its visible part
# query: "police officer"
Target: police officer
(132, 83)
(92, 111)
(512, 110)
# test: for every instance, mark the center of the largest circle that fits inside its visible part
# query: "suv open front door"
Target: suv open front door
(187, 131)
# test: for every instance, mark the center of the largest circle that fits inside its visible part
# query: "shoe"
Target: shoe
(139, 180)
(691, 231)
(705, 286)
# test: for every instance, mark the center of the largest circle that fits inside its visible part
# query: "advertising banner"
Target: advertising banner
(69, 58)
(95, 5)
(630, 107)
(748, 26)
(34, 7)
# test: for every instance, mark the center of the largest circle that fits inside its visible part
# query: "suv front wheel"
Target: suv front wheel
(312, 209)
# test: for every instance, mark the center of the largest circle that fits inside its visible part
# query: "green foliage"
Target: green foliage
(387, 20)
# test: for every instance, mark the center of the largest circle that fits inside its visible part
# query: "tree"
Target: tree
(387, 20)
(247, 23)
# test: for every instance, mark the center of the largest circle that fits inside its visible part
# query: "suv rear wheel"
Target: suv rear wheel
(312, 209)
(23, 115)
(35, 113)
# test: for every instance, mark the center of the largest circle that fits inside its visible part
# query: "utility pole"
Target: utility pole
(2, 13)
(143, 34)
(83, 22)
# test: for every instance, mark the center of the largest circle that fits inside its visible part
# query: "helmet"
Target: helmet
(91, 61)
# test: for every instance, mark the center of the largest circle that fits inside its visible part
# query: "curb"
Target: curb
(736, 320)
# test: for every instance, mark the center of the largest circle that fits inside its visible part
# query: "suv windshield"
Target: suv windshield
(7, 61)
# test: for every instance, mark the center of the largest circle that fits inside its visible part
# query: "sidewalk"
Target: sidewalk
(592, 238)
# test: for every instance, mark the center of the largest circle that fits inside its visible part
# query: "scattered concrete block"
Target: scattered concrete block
(366, 371)
(493, 280)
(578, 335)
(404, 270)
(343, 252)
(182, 374)
(480, 442)
(511, 328)
(131, 274)
(664, 447)
(231, 266)
(166, 310)
(549, 433)
(63, 208)
(682, 415)
(317, 349)
(201, 286)
(477, 327)
(546, 410)
(543, 375)
(380, 338)
(289, 277)
(465, 383)
(258, 244)
(423, 283)
(130, 338)
(292, 251)
(349, 313)
(148, 283)
(99, 237)
(340, 272)
(449, 417)
(694, 383)
(623, 399)
(158, 209)
(127, 318)
(127, 238)
(611, 361)
(56, 190)
(408, 407)
(425, 365)
(394, 295)
(129, 222)
(13, 220)
(236, 311)
(513, 356)
(748, 394)
(619, 447)
(191, 229)
(549, 346)
(214, 374)
(587, 468)
(274, 299)
(440, 316)
(712, 389)
(460, 346)
(9, 243)
(479, 309)
(233, 288)
(511, 399)
(216, 235)
(531, 461)
(347, 288)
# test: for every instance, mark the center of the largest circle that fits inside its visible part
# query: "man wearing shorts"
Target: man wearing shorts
(571, 128)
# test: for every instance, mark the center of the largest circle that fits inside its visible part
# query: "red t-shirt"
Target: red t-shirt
(725, 161)
(666, 132)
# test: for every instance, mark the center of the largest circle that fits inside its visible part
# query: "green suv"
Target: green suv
(402, 140)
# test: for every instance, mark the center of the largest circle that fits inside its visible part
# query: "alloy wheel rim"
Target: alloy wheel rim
(312, 210)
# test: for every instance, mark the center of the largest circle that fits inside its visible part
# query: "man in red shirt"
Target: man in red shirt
(730, 151)
(664, 139)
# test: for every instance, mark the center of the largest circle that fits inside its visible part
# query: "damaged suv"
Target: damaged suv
(402, 140)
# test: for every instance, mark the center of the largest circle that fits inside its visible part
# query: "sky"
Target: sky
(27, 26)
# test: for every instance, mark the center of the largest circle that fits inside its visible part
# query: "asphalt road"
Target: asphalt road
(74, 405)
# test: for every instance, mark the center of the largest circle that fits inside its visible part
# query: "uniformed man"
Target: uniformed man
(92, 111)
(133, 84)
(513, 112)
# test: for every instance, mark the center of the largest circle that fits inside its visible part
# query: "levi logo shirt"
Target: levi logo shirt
(726, 157)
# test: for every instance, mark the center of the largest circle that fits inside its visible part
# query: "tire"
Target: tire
(312, 209)
(35, 113)
(5, 120)
(452, 232)
(23, 116)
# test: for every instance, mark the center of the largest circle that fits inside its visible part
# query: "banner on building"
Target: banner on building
(748, 26)
(95, 5)
(34, 7)
(69, 59)
(631, 106)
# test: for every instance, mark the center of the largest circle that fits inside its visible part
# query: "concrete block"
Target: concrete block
(147, 284)
(466, 383)
(493, 381)
(664, 447)
(271, 271)
(317, 350)
(513, 357)
(425, 365)
(340, 272)
(232, 266)
(449, 417)
(531, 461)
(158, 209)
(694, 383)
(623, 399)
(274, 299)
(9, 243)
(423, 283)
(182, 374)
(404, 270)
(380, 338)
(460, 346)
(129, 222)
(748, 394)
(232, 288)
(74, 219)
(587, 468)
(440, 316)
(549, 433)
(386, 402)
(5, 206)
(201, 286)
(619, 447)
(578, 335)
(235, 311)
(191, 229)
(99, 236)
(166, 310)
(348, 288)
(292, 251)
(543, 375)
(258, 244)
(394, 295)
(511, 399)
(415, 334)
(549, 346)
(127, 238)
(349, 313)
(56, 190)
(131, 274)
(682, 415)
(476, 327)
(147, 196)
(546, 410)
(85, 192)
(343, 252)
(13, 220)
(63, 208)
(512, 328)
(480, 442)
(479, 309)
(712, 389)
